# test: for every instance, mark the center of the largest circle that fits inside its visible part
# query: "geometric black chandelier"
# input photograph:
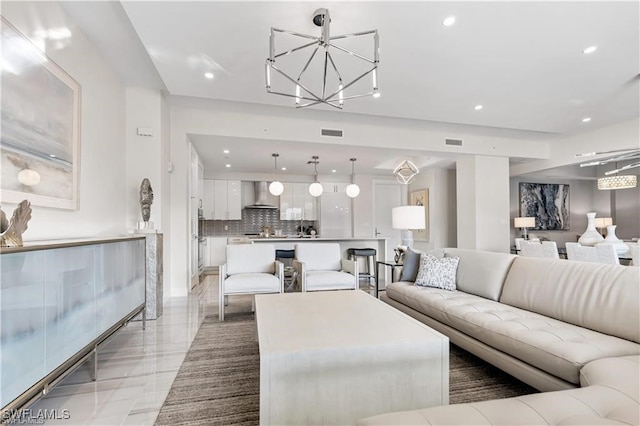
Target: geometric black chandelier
(315, 78)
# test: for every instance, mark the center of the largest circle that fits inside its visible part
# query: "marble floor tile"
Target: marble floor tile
(136, 367)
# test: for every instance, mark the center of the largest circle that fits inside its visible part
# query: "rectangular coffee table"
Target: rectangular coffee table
(337, 356)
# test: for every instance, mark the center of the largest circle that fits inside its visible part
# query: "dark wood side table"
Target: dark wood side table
(389, 263)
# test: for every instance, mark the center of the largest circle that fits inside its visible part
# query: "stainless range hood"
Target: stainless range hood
(262, 197)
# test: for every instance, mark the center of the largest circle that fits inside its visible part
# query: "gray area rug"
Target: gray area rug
(219, 380)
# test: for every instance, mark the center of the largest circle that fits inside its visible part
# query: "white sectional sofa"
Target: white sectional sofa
(554, 324)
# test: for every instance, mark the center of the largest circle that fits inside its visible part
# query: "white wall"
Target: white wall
(482, 184)
(442, 207)
(144, 153)
(103, 191)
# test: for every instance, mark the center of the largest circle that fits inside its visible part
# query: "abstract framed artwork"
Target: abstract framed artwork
(40, 143)
(421, 198)
(548, 203)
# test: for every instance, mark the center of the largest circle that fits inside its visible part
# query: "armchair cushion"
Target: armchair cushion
(329, 280)
(252, 283)
(319, 256)
(250, 258)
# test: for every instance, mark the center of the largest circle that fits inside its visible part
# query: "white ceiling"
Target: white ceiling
(521, 60)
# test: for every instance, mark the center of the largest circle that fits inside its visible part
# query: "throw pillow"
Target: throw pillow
(437, 272)
(411, 263)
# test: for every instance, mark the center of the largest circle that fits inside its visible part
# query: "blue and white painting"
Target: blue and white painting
(548, 203)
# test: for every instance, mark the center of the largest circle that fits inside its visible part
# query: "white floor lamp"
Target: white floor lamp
(407, 218)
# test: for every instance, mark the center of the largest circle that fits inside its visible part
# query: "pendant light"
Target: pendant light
(276, 187)
(353, 190)
(315, 189)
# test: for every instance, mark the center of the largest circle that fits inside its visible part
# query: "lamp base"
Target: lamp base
(406, 238)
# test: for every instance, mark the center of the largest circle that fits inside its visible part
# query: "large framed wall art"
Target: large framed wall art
(548, 203)
(40, 143)
(421, 198)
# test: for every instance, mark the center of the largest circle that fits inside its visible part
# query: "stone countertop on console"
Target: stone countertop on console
(67, 242)
(292, 239)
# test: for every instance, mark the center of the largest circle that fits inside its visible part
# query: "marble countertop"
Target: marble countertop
(285, 239)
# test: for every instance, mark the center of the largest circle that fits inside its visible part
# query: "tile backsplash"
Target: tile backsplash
(251, 223)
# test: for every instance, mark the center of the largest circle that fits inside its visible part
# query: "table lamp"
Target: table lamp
(407, 218)
(524, 223)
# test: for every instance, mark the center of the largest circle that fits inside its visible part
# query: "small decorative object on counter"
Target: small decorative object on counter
(399, 253)
(146, 199)
(621, 247)
(11, 232)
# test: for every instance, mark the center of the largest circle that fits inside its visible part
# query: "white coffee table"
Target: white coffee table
(337, 356)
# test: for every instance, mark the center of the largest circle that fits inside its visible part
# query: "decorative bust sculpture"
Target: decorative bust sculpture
(11, 232)
(146, 199)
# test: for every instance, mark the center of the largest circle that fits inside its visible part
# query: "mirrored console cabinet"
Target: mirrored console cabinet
(58, 303)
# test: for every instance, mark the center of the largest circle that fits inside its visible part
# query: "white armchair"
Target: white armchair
(320, 266)
(250, 269)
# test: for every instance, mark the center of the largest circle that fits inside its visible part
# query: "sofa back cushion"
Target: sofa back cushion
(411, 262)
(319, 256)
(251, 258)
(481, 272)
(601, 297)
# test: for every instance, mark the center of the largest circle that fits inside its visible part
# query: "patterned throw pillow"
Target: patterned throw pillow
(438, 273)
(411, 263)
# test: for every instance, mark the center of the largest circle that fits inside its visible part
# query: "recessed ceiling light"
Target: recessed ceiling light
(478, 107)
(225, 151)
(376, 95)
(333, 171)
(52, 155)
(209, 75)
(449, 21)
(227, 165)
(590, 49)
(283, 169)
(586, 119)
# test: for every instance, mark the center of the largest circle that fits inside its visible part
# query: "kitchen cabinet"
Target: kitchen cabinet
(207, 199)
(222, 199)
(335, 211)
(296, 203)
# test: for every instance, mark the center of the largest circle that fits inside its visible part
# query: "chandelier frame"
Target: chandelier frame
(336, 97)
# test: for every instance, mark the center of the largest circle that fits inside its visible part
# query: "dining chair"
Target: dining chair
(634, 251)
(249, 269)
(600, 253)
(550, 250)
(320, 266)
(531, 249)
(518, 243)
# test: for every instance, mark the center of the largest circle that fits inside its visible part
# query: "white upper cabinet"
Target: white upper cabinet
(296, 203)
(222, 199)
(207, 199)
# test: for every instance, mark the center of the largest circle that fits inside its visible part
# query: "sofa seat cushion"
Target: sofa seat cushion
(594, 405)
(252, 283)
(554, 346)
(329, 280)
(611, 396)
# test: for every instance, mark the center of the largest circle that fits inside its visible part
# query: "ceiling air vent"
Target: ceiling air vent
(454, 142)
(332, 132)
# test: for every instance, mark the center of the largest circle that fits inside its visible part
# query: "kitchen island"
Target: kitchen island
(217, 246)
(288, 243)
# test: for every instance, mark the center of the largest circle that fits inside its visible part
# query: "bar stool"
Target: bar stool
(290, 274)
(369, 255)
